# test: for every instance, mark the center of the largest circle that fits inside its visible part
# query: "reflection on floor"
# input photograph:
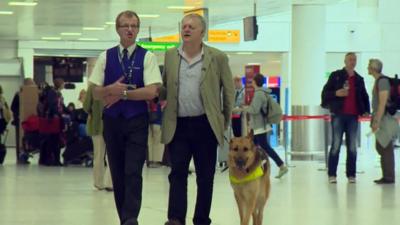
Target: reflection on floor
(33, 195)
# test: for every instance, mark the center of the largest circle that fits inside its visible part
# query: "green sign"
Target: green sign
(158, 46)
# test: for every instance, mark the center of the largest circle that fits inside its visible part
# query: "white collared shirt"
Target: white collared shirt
(151, 71)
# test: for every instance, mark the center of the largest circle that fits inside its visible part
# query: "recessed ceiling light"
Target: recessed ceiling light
(88, 39)
(244, 53)
(110, 23)
(51, 38)
(180, 7)
(93, 28)
(22, 3)
(71, 34)
(148, 15)
(6, 12)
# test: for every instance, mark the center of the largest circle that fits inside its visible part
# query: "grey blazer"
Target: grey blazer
(216, 89)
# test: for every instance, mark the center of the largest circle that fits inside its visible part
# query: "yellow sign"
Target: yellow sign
(224, 36)
(214, 36)
(196, 3)
(200, 12)
(169, 38)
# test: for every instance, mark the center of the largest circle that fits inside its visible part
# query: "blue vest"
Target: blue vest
(113, 71)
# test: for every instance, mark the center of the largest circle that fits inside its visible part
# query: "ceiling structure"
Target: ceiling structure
(93, 19)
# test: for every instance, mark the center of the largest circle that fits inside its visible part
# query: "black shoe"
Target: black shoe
(172, 222)
(23, 162)
(99, 188)
(131, 222)
(384, 181)
(109, 189)
(57, 164)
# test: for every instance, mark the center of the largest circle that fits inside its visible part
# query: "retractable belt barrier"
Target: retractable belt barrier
(319, 117)
(326, 118)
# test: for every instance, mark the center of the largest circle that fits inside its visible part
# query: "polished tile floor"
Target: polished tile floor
(33, 195)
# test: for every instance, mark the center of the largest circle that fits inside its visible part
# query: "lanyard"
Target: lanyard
(128, 76)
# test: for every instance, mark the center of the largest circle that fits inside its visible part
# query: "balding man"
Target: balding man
(200, 94)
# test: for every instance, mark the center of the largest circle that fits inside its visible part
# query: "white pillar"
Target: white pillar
(27, 61)
(307, 79)
(308, 54)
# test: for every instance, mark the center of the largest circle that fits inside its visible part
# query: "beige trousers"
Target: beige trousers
(101, 173)
(156, 148)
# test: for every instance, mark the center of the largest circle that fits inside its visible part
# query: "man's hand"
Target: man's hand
(237, 110)
(342, 92)
(163, 104)
(365, 114)
(111, 100)
(244, 107)
(152, 91)
(116, 89)
(375, 126)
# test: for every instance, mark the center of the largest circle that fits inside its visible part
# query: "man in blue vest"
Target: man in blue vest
(126, 76)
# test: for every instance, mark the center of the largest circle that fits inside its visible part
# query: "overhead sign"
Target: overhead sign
(157, 46)
(224, 36)
(169, 38)
(200, 11)
(214, 36)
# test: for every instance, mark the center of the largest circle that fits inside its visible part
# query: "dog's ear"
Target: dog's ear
(250, 135)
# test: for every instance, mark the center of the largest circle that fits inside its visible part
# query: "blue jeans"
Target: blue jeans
(347, 124)
(261, 140)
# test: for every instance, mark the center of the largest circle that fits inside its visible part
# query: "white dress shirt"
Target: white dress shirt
(151, 71)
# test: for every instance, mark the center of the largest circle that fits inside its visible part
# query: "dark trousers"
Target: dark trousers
(17, 142)
(387, 161)
(261, 140)
(126, 144)
(237, 127)
(50, 150)
(348, 125)
(193, 138)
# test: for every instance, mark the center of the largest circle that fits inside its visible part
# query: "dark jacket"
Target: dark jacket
(335, 82)
(15, 109)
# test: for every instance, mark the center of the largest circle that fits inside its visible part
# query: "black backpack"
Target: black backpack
(394, 96)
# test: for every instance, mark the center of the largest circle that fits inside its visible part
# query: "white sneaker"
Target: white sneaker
(332, 180)
(352, 180)
(282, 171)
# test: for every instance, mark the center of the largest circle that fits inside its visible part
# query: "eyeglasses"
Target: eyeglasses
(127, 26)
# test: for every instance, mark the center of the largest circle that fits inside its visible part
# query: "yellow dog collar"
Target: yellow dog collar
(258, 172)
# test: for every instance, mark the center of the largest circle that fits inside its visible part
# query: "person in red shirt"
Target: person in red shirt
(346, 97)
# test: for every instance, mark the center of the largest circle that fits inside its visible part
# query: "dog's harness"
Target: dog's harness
(257, 173)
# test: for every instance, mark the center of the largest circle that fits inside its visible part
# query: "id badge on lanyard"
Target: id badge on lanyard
(128, 72)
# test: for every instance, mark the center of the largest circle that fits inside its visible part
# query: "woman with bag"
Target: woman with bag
(258, 123)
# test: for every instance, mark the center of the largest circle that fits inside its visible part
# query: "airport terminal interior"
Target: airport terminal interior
(294, 44)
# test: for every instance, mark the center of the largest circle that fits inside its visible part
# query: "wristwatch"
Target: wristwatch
(125, 95)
